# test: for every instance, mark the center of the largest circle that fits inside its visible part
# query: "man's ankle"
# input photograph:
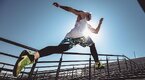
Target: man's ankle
(36, 55)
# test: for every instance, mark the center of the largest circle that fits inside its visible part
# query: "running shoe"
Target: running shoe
(23, 60)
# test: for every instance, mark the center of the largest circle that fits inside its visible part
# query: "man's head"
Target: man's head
(88, 16)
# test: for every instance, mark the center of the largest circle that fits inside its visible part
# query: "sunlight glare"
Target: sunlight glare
(87, 32)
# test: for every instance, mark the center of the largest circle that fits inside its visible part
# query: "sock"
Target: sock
(31, 57)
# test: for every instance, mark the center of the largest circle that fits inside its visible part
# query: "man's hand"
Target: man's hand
(99, 25)
(101, 20)
(56, 4)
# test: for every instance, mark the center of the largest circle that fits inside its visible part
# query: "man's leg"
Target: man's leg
(53, 49)
(94, 53)
(93, 50)
(26, 58)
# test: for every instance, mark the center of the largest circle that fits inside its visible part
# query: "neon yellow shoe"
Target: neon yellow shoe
(99, 65)
(23, 60)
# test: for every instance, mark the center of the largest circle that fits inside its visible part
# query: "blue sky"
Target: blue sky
(37, 23)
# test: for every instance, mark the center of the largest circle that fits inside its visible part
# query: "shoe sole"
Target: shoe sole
(17, 62)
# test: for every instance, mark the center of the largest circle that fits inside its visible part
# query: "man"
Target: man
(74, 37)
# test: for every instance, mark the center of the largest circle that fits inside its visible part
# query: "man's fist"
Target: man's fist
(56, 4)
(101, 19)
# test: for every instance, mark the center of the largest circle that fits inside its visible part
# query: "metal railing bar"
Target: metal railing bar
(57, 65)
(6, 64)
(63, 61)
(11, 70)
(30, 48)
(61, 70)
(74, 61)
(74, 53)
(2, 53)
(17, 44)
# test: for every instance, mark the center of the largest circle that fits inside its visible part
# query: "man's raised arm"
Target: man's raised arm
(98, 27)
(69, 9)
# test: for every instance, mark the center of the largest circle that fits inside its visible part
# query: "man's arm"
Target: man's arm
(69, 9)
(97, 29)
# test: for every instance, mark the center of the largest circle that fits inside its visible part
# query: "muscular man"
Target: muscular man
(74, 37)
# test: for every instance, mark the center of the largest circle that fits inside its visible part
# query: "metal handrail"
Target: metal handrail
(65, 53)
(33, 49)
(2, 53)
(17, 44)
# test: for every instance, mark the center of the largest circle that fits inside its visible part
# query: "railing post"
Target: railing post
(73, 72)
(35, 76)
(58, 69)
(76, 73)
(130, 66)
(44, 76)
(82, 73)
(67, 75)
(118, 64)
(126, 64)
(2, 68)
(85, 70)
(4, 75)
(90, 68)
(32, 70)
(107, 66)
(94, 71)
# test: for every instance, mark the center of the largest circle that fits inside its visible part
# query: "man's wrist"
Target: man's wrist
(60, 6)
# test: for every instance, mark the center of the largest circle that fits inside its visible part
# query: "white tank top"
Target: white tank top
(78, 30)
